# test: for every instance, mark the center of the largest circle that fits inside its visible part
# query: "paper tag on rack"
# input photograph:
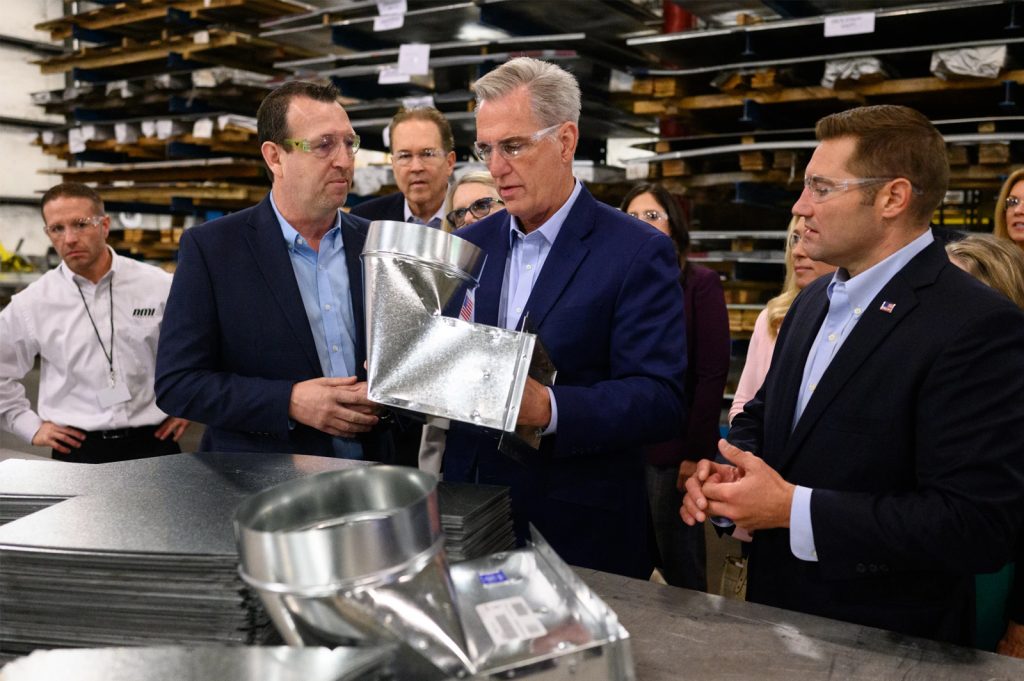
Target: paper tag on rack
(638, 171)
(203, 128)
(201, 38)
(849, 24)
(112, 395)
(389, 75)
(76, 143)
(510, 620)
(414, 59)
(392, 7)
(388, 22)
(423, 102)
(620, 81)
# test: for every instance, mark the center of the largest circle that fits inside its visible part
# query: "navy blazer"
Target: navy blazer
(606, 306)
(235, 336)
(913, 444)
(387, 207)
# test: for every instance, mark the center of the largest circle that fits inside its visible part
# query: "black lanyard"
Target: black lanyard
(110, 355)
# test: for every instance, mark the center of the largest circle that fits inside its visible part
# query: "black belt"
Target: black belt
(121, 433)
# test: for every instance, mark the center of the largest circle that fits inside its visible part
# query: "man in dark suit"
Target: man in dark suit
(601, 291)
(880, 465)
(263, 335)
(422, 159)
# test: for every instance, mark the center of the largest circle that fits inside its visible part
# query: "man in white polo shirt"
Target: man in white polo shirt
(94, 322)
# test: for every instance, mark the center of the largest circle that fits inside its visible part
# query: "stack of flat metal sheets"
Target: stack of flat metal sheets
(476, 519)
(143, 552)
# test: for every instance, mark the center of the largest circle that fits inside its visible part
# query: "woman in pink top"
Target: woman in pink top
(800, 271)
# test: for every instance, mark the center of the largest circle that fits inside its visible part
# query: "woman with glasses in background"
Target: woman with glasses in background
(800, 271)
(1009, 213)
(472, 197)
(681, 548)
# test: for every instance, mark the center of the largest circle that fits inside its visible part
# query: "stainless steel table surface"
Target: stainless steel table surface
(681, 634)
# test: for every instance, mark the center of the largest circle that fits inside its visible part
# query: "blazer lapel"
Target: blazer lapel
(271, 256)
(353, 237)
(566, 254)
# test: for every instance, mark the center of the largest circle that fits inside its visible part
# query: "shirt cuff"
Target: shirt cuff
(26, 425)
(553, 425)
(801, 535)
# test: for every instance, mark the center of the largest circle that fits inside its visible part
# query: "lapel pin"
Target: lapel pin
(887, 307)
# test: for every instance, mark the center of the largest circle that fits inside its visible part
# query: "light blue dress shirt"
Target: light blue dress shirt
(849, 297)
(322, 277)
(527, 254)
(434, 222)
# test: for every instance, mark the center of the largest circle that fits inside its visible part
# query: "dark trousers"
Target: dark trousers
(119, 445)
(682, 555)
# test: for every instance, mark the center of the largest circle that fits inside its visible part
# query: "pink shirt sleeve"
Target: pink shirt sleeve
(759, 358)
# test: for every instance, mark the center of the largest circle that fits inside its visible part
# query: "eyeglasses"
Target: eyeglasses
(57, 231)
(824, 188)
(404, 158)
(480, 208)
(511, 147)
(1012, 202)
(326, 146)
(649, 215)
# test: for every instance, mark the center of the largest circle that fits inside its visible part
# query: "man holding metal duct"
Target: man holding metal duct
(601, 291)
(880, 465)
(263, 338)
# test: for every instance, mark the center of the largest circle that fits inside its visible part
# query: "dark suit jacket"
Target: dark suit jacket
(607, 308)
(235, 336)
(707, 349)
(389, 207)
(913, 444)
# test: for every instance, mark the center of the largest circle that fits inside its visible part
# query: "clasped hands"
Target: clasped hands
(749, 492)
(336, 406)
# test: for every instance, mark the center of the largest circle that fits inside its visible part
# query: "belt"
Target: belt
(121, 433)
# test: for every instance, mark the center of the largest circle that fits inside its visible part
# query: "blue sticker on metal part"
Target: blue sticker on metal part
(493, 577)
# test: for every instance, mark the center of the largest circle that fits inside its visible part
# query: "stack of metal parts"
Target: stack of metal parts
(141, 552)
(355, 558)
(476, 519)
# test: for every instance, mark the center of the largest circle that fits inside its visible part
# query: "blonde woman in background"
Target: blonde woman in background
(997, 263)
(472, 197)
(1009, 213)
(800, 271)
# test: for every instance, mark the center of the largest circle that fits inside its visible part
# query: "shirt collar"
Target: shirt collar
(550, 229)
(863, 288)
(78, 279)
(439, 215)
(292, 236)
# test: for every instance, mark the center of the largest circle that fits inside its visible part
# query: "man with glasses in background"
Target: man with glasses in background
(264, 337)
(94, 322)
(422, 158)
(602, 292)
(881, 464)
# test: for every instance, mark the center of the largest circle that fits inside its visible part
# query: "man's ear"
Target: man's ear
(895, 197)
(272, 157)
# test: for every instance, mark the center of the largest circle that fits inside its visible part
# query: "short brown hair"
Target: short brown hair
(425, 113)
(73, 190)
(1001, 230)
(894, 141)
(272, 116)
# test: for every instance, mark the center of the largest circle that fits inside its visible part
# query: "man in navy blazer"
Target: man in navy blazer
(881, 465)
(263, 337)
(601, 291)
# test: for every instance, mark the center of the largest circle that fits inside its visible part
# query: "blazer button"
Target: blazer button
(873, 568)
(861, 568)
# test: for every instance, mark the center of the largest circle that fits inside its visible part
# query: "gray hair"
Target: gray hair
(554, 92)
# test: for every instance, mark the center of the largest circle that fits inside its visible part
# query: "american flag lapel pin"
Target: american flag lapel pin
(887, 307)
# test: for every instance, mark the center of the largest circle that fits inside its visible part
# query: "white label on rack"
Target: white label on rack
(149, 128)
(392, 7)
(164, 128)
(414, 59)
(388, 22)
(510, 620)
(203, 128)
(126, 133)
(638, 171)
(584, 173)
(849, 24)
(201, 38)
(620, 81)
(76, 143)
(389, 75)
(424, 102)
